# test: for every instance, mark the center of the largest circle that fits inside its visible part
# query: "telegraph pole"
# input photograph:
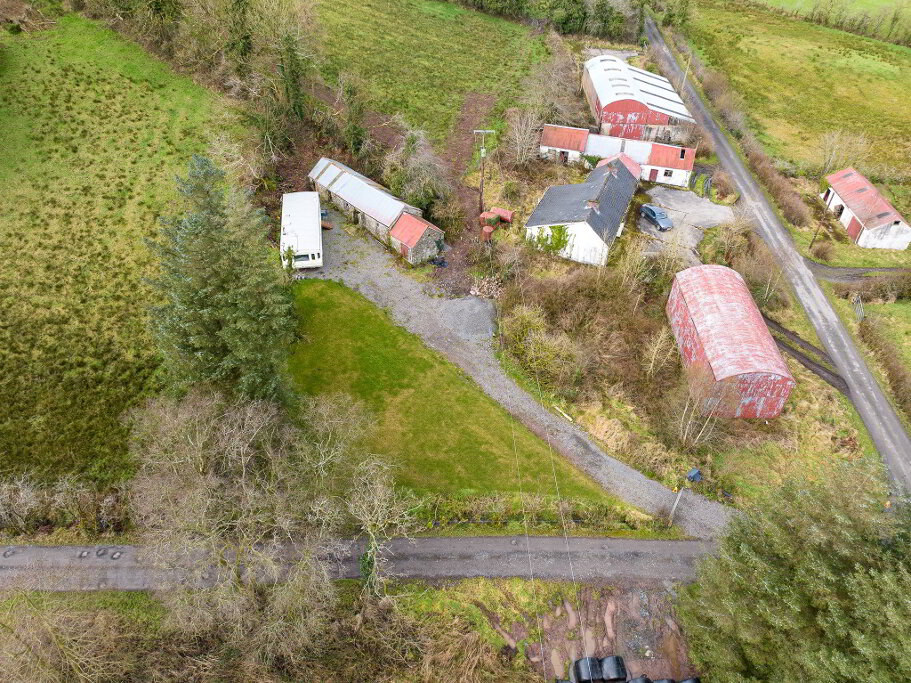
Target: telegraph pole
(483, 134)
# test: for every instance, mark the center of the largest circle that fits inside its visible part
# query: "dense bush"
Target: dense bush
(605, 18)
(811, 584)
(897, 371)
(27, 506)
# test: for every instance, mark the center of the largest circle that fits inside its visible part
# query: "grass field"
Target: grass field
(93, 132)
(799, 80)
(445, 435)
(422, 57)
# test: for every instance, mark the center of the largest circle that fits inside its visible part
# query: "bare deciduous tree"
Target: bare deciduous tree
(382, 511)
(659, 350)
(523, 133)
(414, 171)
(550, 91)
(840, 148)
(248, 506)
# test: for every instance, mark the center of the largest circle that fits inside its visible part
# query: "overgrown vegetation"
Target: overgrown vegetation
(811, 585)
(79, 197)
(612, 19)
(874, 336)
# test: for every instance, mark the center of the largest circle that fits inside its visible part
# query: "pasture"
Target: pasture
(422, 58)
(93, 132)
(799, 81)
(435, 424)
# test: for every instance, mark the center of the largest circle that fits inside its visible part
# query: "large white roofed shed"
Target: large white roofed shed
(613, 80)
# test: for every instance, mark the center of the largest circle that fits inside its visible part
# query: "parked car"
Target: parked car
(657, 216)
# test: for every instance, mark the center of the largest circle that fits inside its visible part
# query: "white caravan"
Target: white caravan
(302, 231)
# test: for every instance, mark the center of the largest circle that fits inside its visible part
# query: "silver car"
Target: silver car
(657, 216)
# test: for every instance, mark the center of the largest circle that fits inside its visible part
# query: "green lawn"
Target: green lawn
(93, 132)
(445, 435)
(422, 57)
(897, 318)
(855, 5)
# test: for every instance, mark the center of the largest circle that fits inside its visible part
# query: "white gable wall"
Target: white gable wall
(886, 237)
(584, 244)
(834, 202)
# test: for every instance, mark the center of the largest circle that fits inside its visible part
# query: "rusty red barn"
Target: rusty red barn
(734, 364)
(632, 103)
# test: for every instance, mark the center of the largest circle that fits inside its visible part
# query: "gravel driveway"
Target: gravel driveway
(691, 215)
(462, 330)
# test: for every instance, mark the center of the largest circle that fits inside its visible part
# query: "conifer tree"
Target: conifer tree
(813, 584)
(227, 317)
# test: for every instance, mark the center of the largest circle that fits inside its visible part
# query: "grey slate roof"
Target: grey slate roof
(601, 201)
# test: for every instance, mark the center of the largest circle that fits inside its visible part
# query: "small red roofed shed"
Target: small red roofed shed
(734, 364)
(415, 239)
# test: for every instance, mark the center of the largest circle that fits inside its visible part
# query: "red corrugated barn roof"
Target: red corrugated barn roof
(668, 156)
(631, 165)
(408, 229)
(733, 334)
(563, 137)
(862, 197)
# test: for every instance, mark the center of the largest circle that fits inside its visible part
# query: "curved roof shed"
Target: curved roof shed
(721, 334)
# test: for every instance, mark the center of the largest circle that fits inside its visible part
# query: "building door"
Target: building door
(653, 175)
(564, 157)
(404, 249)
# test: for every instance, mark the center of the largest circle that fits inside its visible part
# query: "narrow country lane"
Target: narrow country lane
(89, 568)
(878, 415)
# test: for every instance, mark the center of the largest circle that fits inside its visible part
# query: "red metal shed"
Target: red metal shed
(735, 366)
(563, 137)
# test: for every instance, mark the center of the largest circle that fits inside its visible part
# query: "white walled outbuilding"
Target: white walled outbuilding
(869, 219)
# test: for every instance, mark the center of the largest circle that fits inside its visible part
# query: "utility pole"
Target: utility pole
(483, 134)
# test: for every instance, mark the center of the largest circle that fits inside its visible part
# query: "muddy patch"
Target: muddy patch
(633, 620)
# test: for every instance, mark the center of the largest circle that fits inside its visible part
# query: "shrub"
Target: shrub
(810, 584)
(823, 250)
(890, 356)
(721, 181)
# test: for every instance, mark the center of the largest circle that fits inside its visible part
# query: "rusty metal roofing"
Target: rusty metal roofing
(669, 156)
(734, 336)
(864, 200)
(564, 137)
(615, 80)
(409, 229)
(631, 165)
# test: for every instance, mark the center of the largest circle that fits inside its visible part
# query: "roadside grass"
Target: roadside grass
(422, 57)
(441, 431)
(94, 131)
(799, 81)
(897, 319)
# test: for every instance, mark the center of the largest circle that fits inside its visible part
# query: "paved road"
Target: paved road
(462, 330)
(882, 423)
(87, 568)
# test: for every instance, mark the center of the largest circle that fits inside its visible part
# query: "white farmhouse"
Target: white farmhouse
(659, 163)
(592, 212)
(870, 219)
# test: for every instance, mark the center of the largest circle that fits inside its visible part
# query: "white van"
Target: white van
(301, 230)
